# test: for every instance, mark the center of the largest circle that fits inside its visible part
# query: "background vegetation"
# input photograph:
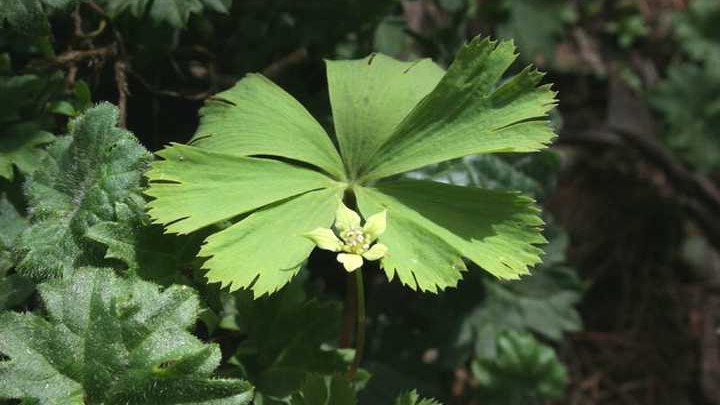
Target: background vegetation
(624, 309)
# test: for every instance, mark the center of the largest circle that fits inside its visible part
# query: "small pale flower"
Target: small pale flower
(355, 242)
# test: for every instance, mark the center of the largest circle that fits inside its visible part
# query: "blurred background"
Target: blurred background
(626, 307)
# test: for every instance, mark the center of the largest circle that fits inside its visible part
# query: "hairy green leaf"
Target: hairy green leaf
(369, 99)
(469, 113)
(112, 341)
(13, 224)
(431, 226)
(257, 117)
(76, 187)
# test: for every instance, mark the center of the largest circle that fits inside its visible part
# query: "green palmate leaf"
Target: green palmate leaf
(523, 371)
(259, 237)
(171, 12)
(468, 113)
(256, 117)
(369, 99)
(195, 187)
(325, 390)
(112, 341)
(76, 187)
(431, 226)
(390, 117)
(21, 146)
(412, 398)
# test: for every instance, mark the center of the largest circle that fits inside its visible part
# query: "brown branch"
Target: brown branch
(698, 195)
(74, 57)
(278, 67)
(123, 91)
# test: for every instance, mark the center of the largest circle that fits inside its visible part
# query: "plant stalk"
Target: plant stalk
(360, 329)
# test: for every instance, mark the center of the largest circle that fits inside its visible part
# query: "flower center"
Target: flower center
(355, 241)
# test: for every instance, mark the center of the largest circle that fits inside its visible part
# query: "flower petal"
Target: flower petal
(375, 225)
(325, 238)
(376, 252)
(346, 219)
(351, 262)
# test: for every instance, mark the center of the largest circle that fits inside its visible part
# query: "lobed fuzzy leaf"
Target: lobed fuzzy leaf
(76, 187)
(112, 341)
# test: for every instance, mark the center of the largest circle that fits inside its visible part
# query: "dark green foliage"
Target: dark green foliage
(96, 334)
(142, 247)
(174, 13)
(523, 371)
(536, 26)
(31, 16)
(87, 176)
(14, 289)
(698, 31)
(689, 100)
(106, 340)
(319, 390)
(287, 338)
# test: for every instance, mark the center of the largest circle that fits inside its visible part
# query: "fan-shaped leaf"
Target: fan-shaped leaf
(194, 187)
(257, 117)
(270, 243)
(369, 99)
(469, 113)
(432, 225)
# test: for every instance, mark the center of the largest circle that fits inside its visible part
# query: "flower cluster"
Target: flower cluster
(355, 241)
